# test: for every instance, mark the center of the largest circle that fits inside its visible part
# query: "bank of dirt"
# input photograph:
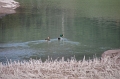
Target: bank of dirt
(8, 7)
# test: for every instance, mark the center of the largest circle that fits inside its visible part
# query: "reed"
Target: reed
(96, 68)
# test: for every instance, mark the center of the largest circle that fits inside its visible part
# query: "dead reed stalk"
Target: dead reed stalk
(60, 69)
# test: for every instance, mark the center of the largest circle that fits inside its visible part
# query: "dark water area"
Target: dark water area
(89, 28)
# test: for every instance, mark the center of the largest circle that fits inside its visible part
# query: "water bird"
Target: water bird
(48, 38)
(60, 38)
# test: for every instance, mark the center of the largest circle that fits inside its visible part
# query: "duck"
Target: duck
(60, 38)
(48, 38)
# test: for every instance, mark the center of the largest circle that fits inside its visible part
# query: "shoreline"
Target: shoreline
(104, 68)
(8, 7)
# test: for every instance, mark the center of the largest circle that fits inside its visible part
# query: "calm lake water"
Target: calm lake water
(89, 28)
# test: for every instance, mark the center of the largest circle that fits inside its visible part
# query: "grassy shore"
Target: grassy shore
(95, 68)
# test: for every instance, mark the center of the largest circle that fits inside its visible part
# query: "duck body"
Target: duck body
(61, 37)
(48, 39)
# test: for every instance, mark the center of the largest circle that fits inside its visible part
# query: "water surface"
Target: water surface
(89, 28)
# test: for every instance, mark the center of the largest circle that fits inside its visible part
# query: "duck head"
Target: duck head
(61, 35)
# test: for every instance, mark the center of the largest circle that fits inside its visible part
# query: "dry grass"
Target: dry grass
(61, 69)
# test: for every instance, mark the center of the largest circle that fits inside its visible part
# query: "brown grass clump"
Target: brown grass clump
(60, 69)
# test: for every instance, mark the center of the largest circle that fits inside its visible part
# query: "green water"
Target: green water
(89, 28)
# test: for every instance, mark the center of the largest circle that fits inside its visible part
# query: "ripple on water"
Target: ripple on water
(26, 44)
(17, 51)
